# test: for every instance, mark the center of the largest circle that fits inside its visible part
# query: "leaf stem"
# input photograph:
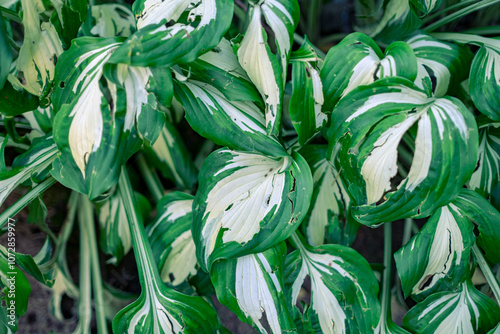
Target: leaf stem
(447, 9)
(10, 14)
(488, 274)
(460, 13)
(89, 229)
(25, 200)
(386, 282)
(152, 181)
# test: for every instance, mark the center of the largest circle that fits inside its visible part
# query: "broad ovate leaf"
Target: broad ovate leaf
(486, 217)
(239, 125)
(112, 20)
(464, 311)
(363, 63)
(252, 287)
(343, 289)
(197, 27)
(437, 257)
(329, 219)
(247, 203)
(370, 123)
(171, 240)
(487, 174)
(40, 50)
(440, 64)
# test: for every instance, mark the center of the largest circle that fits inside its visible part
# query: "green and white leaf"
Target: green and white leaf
(486, 217)
(463, 311)
(251, 286)
(441, 65)
(343, 289)
(370, 123)
(40, 50)
(426, 6)
(328, 220)
(112, 20)
(363, 63)
(239, 125)
(487, 173)
(197, 27)
(437, 257)
(171, 156)
(171, 239)
(247, 203)
(32, 165)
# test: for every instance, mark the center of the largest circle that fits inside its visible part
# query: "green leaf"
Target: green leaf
(171, 156)
(370, 123)
(158, 309)
(67, 21)
(343, 289)
(484, 81)
(5, 52)
(426, 6)
(220, 68)
(487, 173)
(32, 164)
(247, 203)
(239, 125)
(110, 20)
(437, 257)
(266, 70)
(363, 63)
(15, 292)
(15, 101)
(329, 219)
(486, 217)
(464, 311)
(198, 27)
(252, 285)
(441, 65)
(171, 240)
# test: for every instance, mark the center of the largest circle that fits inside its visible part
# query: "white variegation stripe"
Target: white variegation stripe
(446, 249)
(423, 154)
(156, 10)
(441, 73)
(254, 59)
(492, 65)
(492, 164)
(395, 12)
(252, 292)
(381, 165)
(162, 148)
(223, 57)
(387, 68)
(362, 73)
(424, 41)
(174, 211)
(181, 261)
(445, 110)
(240, 201)
(318, 96)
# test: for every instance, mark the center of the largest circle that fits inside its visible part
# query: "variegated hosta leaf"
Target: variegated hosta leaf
(440, 64)
(484, 81)
(437, 258)
(426, 6)
(33, 164)
(306, 100)
(40, 50)
(267, 71)
(158, 309)
(343, 289)
(329, 219)
(464, 311)
(495, 330)
(171, 240)
(40, 120)
(486, 217)
(15, 100)
(362, 63)
(198, 26)
(237, 124)
(397, 22)
(172, 158)
(487, 173)
(247, 203)
(112, 20)
(252, 285)
(370, 123)
(220, 68)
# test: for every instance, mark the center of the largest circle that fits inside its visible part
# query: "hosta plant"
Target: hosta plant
(237, 155)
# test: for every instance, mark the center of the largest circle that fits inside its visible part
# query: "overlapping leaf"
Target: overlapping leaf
(252, 285)
(112, 20)
(370, 123)
(437, 258)
(426, 6)
(464, 311)
(364, 63)
(247, 203)
(329, 219)
(343, 289)
(487, 173)
(197, 27)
